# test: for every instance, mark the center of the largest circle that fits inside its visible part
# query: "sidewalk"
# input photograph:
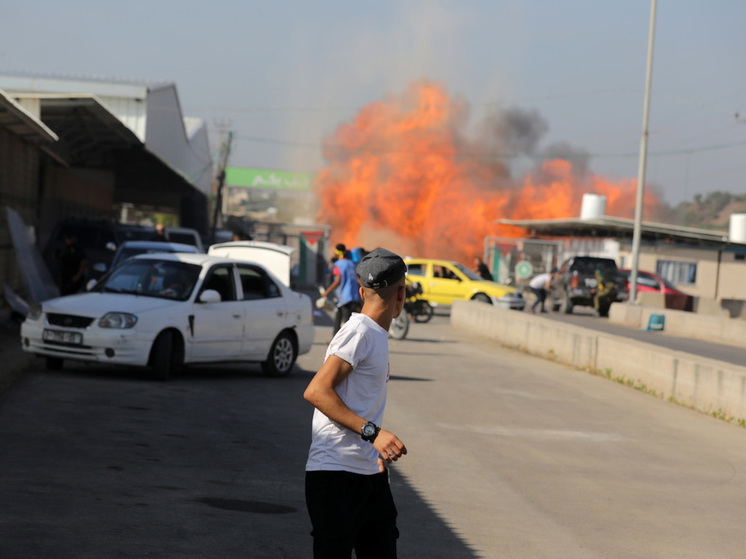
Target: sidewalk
(13, 360)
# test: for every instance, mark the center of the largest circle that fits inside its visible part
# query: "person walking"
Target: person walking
(539, 286)
(347, 288)
(348, 495)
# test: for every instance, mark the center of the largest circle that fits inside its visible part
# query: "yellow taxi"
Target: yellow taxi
(444, 281)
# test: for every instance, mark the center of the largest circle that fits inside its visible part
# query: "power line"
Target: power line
(507, 157)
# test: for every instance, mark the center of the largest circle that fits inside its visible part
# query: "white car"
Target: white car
(166, 310)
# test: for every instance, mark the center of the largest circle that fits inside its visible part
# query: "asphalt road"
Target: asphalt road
(509, 456)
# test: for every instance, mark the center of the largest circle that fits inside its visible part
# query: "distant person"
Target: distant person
(481, 268)
(72, 266)
(539, 286)
(348, 495)
(238, 236)
(605, 293)
(160, 233)
(347, 289)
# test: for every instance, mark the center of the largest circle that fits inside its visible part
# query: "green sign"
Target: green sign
(264, 178)
(523, 269)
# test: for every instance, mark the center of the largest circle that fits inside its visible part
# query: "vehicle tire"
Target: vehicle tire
(162, 356)
(555, 306)
(54, 363)
(281, 357)
(424, 312)
(482, 298)
(399, 326)
(566, 305)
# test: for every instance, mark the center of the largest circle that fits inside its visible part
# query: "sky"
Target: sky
(282, 76)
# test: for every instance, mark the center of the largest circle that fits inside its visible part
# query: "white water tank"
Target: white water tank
(737, 228)
(593, 207)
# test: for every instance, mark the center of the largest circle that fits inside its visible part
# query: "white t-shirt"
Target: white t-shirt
(363, 344)
(540, 281)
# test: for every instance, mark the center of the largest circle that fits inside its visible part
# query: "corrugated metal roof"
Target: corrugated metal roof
(85, 126)
(619, 228)
(21, 123)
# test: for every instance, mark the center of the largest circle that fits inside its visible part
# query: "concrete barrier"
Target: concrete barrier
(704, 384)
(721, 329)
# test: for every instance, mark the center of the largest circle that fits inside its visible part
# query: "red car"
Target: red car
(648, 281)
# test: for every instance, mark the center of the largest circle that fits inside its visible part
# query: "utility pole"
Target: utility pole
(225, 151)
(637, 231)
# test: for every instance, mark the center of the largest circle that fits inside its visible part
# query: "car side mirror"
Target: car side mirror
(209, 296)
(99, 267)
(90, 285)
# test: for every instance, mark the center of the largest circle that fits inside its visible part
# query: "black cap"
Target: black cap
(381, 268)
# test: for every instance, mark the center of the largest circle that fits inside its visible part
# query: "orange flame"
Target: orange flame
(404, 176)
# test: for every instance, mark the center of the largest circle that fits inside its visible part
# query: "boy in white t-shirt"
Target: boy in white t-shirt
(347, 488)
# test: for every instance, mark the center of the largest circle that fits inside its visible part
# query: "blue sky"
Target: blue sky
(282, 75)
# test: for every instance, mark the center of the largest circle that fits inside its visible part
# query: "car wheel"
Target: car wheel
(482, 298)
(54, 363)
(282, 356)
(566, 305)
(162, 355)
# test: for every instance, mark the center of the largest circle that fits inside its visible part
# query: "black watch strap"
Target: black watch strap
(369, 431)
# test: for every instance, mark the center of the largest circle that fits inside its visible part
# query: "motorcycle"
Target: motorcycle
(419, 309)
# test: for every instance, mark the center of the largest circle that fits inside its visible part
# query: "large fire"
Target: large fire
(404, 175)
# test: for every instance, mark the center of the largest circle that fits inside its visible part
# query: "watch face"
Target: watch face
(368, 430)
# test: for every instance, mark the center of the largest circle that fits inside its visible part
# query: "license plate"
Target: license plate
(60, 337)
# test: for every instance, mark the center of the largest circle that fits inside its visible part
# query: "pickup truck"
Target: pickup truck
(575, 284)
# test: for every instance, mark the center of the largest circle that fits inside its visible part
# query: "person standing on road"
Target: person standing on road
(348, 494)
(482, 269)
(605, 293)
(345, 282)
(72, 266)
(539, 286)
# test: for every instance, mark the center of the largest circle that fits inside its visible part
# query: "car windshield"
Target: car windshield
(152, 278)
(468, 273)
(669, 285)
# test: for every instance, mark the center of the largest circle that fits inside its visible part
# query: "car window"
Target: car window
(416, 269)
(179, 237)
(648, 281)
(443, 272)
(471, 274)
(220, 278)
(256, 284)
(152, 278)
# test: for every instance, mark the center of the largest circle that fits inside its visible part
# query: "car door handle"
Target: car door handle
(280, 313)
(236, 316)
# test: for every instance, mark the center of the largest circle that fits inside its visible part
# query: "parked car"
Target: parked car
(167, 310)
(444, 281)
(133, 248)
(575, 284)
(673, 297)
(184, 235)
(99, 240)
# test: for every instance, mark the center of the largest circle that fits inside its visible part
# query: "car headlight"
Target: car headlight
(34, 312)
(120, 320)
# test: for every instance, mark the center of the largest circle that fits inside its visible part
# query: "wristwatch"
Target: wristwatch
(369, 431)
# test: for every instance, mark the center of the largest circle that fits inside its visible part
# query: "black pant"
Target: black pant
(541, 296)
(351, 511)
(344, 313)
